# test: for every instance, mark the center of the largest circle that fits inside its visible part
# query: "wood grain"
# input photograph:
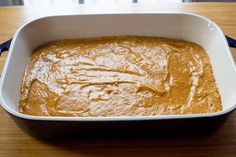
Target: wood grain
(14, 142)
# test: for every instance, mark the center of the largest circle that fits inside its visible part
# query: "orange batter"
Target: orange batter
(119, 76)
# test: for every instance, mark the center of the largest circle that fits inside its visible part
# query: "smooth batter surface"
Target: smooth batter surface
(119, 76)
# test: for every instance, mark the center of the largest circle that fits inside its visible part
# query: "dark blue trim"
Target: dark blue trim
(231, 41)
(5, 46)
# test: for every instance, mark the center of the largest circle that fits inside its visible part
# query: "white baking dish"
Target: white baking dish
(185, 26)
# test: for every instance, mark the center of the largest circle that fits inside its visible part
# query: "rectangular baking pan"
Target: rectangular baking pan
(186, 26)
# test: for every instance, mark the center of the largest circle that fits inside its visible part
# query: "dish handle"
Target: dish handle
(5, 46)
(231, 41)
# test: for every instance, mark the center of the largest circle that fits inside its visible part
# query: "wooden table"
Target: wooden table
(14, 142)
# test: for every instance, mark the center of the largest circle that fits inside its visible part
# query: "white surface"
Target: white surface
(75, 2)
(49, 2)
(172, 25)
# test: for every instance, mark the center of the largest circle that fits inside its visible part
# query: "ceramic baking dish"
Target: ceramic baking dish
(184, 26)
